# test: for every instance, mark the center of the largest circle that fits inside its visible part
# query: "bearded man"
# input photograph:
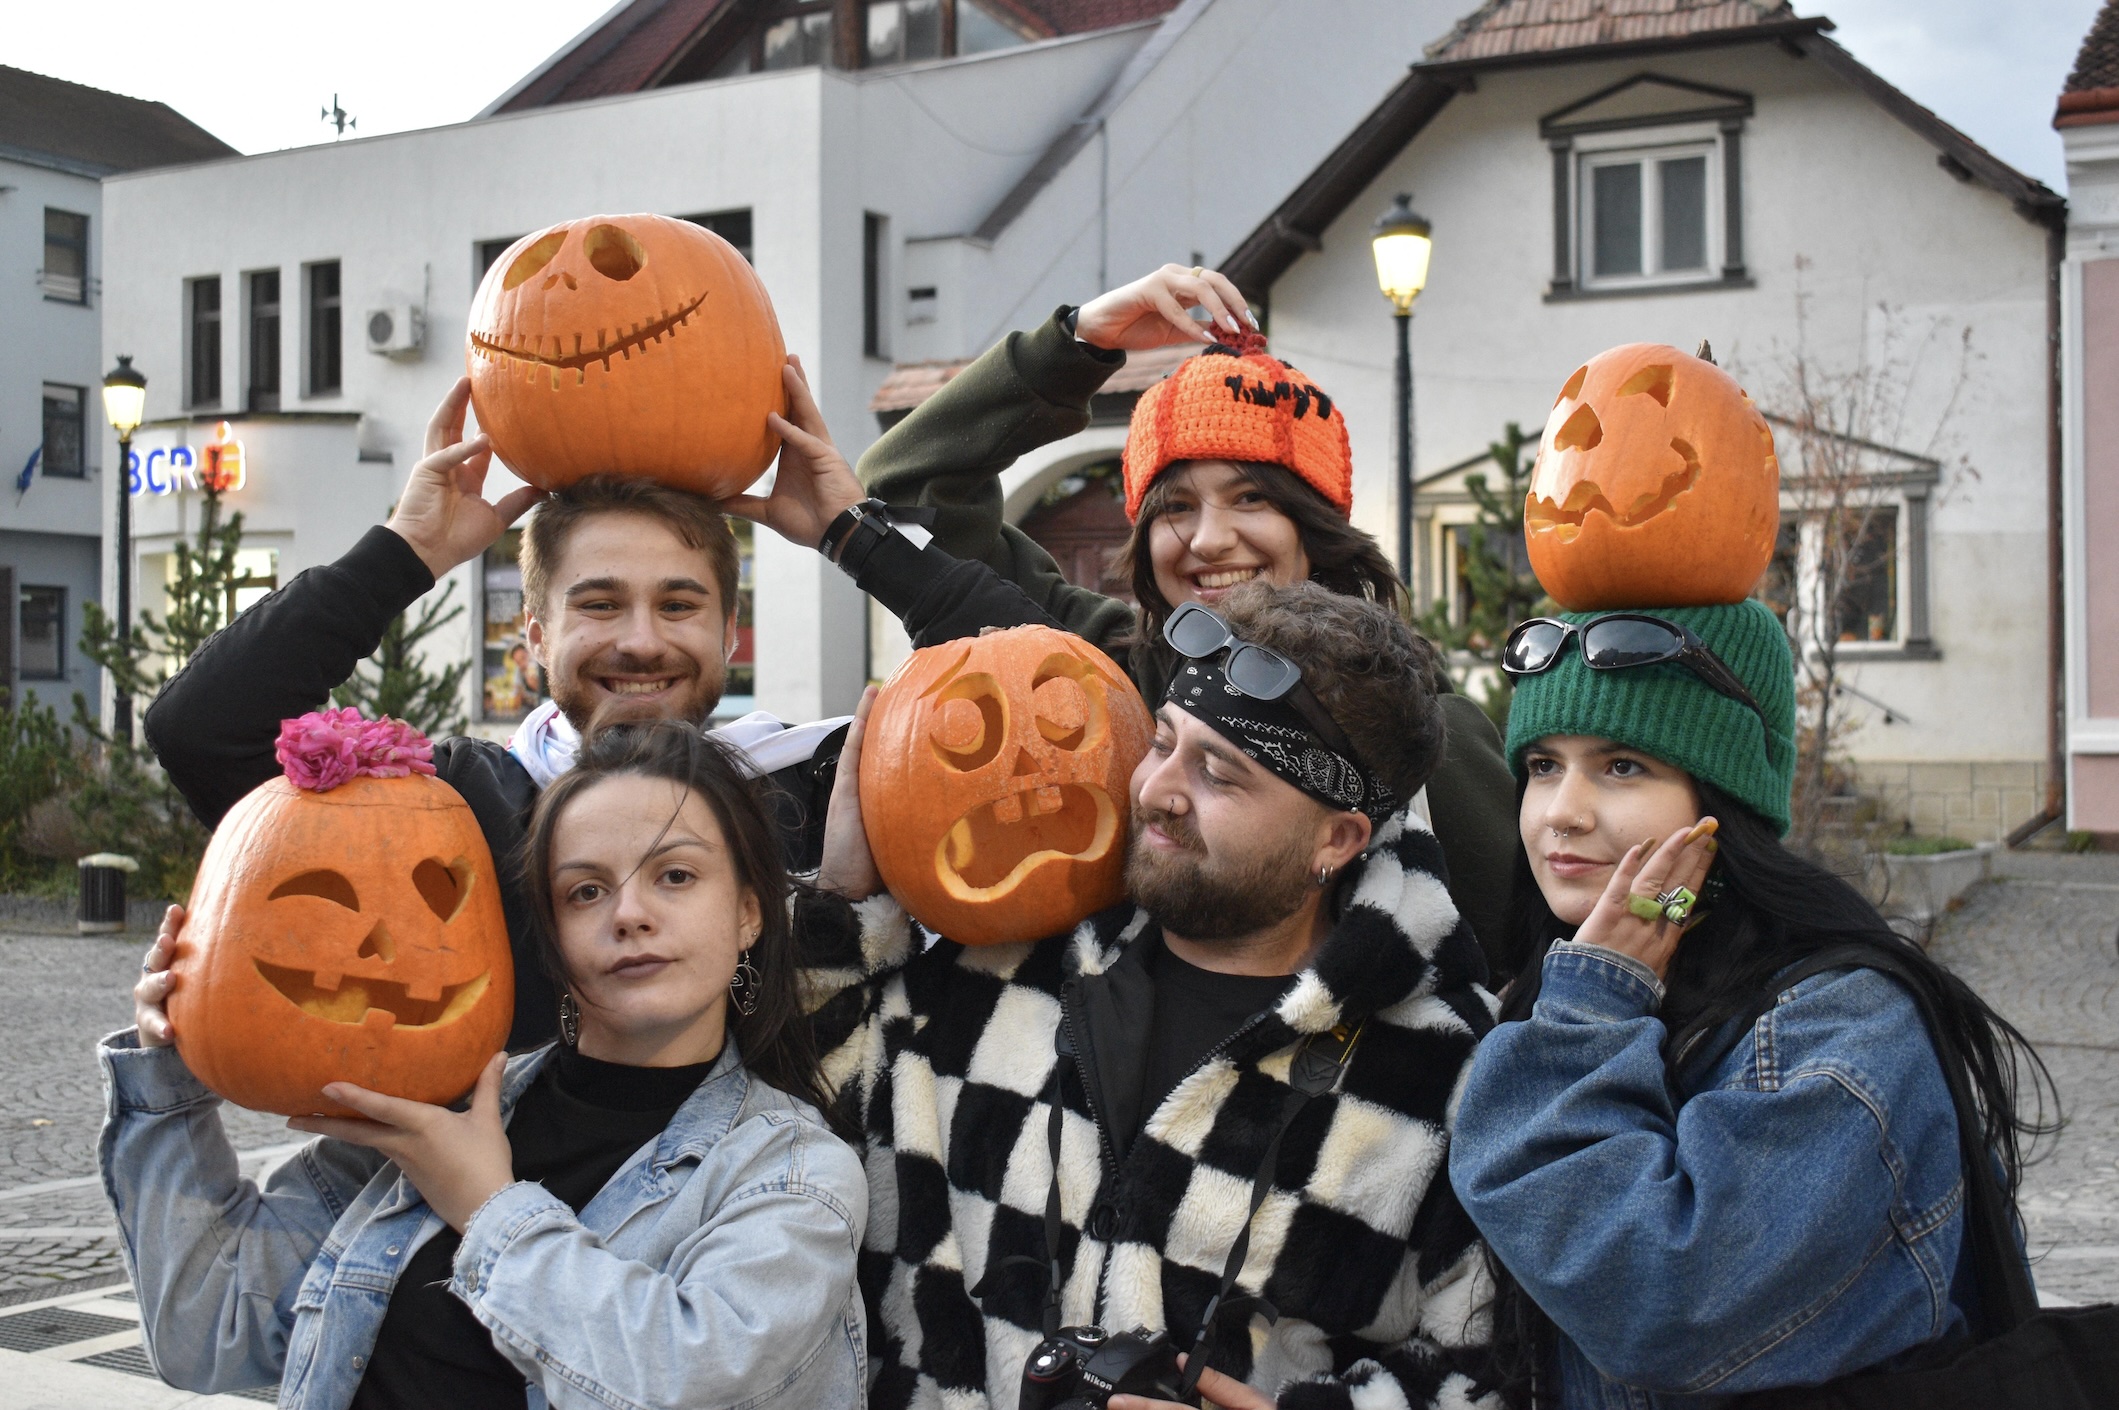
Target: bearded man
(629, 591)
(1218, 1112)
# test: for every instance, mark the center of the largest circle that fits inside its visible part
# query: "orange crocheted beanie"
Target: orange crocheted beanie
(1238, 402)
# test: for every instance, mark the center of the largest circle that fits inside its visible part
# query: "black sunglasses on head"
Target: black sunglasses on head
(1260, 672)
(1617, 641)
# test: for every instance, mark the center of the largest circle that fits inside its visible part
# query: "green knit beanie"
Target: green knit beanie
(1667, 712)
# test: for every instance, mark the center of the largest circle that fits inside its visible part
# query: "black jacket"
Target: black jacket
(214, 726)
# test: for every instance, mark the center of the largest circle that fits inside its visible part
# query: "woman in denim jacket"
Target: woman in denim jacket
(693, 1238)
(1695, 1207)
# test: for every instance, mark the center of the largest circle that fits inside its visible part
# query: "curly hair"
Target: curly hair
(1372, 673)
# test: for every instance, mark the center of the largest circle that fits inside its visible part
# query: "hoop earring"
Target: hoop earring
(1324, 875)
(743, 986)
(569, 1019)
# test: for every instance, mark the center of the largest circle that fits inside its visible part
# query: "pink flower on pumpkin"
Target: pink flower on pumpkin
(325, 748)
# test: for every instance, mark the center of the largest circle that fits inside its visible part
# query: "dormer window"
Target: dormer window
(1647, 189)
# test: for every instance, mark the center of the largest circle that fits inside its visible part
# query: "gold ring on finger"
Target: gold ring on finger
(1199, 271)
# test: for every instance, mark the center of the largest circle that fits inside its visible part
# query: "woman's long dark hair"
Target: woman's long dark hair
(1342, 557)
(1776, 908)
(775, 1038)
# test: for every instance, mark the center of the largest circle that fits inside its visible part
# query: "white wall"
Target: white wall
(1828, 179)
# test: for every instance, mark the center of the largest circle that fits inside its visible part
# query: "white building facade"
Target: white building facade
(899, 211)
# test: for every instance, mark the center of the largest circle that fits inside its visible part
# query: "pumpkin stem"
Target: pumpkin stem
(1706, 352)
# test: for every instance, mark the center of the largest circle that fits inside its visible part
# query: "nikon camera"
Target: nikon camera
(1081, 1368)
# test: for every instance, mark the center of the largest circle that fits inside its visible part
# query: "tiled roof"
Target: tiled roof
(638, 44)
(88, 130)
(911, 383)
(1502, 28)
(2092, 93)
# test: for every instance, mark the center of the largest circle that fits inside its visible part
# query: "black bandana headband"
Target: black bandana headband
(1273, 733)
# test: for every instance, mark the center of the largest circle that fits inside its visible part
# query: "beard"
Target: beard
(590, 709)
(1204, 898)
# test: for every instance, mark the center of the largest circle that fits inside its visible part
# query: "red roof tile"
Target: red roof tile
(2092, 93)
(1501, 28)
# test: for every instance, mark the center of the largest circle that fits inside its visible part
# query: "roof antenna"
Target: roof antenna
(337, 117)
(1706, 353)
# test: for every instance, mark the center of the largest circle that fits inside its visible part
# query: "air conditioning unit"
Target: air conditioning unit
(396, 331)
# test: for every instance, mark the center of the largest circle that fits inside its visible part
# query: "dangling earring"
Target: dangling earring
(569, 1019)
(743, 986)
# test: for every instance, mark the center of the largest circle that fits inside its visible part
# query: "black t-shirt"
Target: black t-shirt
(578, 1123)
(1195, 1009)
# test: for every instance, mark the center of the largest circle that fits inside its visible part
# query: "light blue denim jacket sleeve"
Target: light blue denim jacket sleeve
(216, 1282)
(1797, 1218)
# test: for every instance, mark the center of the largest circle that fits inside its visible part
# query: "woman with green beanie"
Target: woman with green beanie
(1702, 1173)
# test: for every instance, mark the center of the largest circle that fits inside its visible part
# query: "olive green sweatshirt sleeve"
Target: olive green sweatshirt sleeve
(1471, 799)
(1028, 390)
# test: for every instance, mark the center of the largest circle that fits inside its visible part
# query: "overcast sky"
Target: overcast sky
(256, 73)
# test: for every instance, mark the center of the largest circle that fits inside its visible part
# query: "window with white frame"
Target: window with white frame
(1647, 188)
(1855, 574)
(1645, 214)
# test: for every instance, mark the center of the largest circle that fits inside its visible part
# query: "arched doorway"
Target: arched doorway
(1081, 522)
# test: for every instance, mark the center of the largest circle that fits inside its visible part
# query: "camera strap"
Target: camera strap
(1315, 1069)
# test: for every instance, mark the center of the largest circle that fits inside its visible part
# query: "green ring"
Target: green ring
(1644, 907)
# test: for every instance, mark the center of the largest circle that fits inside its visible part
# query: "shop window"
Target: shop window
(257, 573)
(733, 226)
(323, 296)
(65, 432)
(739, 688)
(65, 274)
(42, 655)
(900, 31)
(203, 300)
(262, 380)
(511, 683)
(1645, 215)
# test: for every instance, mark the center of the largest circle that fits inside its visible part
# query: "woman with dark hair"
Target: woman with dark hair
(1236, 466)
(1702, 1175)
(649, 1212)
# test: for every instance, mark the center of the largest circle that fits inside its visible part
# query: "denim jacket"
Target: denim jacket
(715, 1269)
(1797, 1218)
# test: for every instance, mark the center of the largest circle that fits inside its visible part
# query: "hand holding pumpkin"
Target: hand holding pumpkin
(457, 1160)
(814, 483)
(1154, 311)
(155, 983)
(848, 868)
(442, 513)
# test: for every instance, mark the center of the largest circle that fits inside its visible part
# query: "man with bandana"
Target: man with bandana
(1217, 1112)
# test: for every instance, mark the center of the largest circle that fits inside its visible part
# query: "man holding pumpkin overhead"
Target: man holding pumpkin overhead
(1213, 1118)
(630, 590)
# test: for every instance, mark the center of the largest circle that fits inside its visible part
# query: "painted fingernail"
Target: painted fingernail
(1706, 827)
(1713, 846)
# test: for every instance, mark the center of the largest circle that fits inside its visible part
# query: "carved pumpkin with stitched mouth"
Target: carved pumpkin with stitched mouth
(351, 935)
(995, 775)
(1656, 485)
(631, 345)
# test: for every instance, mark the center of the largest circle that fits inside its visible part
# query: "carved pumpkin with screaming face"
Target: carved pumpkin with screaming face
(995, 774)
(352, 935)
(1656, 485)
(627, 345)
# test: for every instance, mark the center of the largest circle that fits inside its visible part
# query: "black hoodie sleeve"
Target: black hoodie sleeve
(214, 725)
(940, 597)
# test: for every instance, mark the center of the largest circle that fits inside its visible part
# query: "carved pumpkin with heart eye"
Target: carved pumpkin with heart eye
(995, 773)
(1656, 485)
(352, 935)
(627, 345)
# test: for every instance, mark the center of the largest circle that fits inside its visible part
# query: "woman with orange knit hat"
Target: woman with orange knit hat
(1236, 467)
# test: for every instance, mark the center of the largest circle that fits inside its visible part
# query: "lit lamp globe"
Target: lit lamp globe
(124, 397)
(1403, 241)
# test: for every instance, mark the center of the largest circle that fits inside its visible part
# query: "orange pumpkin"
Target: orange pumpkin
(353, 935)
(1656, 485)
(628, 345)
(995, 774)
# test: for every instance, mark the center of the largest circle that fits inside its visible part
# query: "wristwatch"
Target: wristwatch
(854, 534)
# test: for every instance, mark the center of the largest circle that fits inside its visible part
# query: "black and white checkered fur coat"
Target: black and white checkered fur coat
(945, 1058)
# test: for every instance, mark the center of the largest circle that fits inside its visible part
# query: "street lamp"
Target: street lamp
(1403, 241)
(124, 402)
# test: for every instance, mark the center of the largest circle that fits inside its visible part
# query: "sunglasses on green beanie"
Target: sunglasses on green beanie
(1618, 641)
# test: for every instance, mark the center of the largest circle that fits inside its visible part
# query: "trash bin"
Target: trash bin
(103, 893)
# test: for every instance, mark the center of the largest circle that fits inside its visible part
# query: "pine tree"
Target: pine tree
(395, 681)
(1503, 590)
